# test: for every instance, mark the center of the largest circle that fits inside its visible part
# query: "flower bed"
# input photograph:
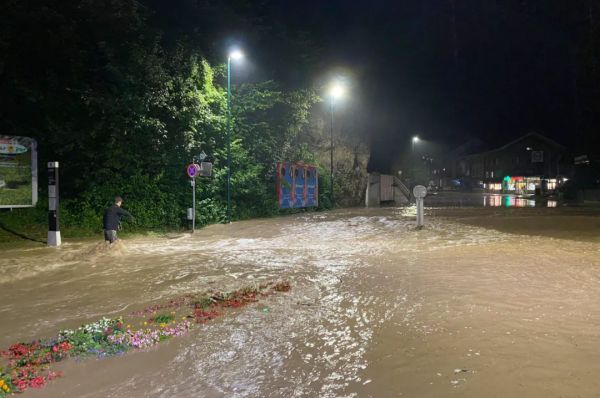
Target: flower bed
(29, 363)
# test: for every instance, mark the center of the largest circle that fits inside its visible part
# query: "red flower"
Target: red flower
(20, 383)
(65, 346)
(19, 350)
(203, 316)
(37, 382)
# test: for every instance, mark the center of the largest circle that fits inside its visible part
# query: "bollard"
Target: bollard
(53, 206)
(419, 192)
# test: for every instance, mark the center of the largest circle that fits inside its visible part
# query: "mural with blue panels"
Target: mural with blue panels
(297, 185)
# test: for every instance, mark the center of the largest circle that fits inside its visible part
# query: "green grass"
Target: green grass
(33, 224)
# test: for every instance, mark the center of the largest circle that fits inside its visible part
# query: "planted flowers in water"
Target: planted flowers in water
(29, 363)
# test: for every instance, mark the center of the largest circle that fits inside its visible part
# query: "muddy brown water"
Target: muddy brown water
(479, 303)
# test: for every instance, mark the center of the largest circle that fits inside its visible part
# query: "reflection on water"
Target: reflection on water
(507, 201)
(497, 200)
(456, 199)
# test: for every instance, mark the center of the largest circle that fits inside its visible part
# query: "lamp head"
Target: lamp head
(415, 139)
(236, 54)
(337, 90)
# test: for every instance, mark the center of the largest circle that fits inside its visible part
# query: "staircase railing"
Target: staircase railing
(402, 187)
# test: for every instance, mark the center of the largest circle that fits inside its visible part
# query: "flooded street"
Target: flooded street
(494, 302)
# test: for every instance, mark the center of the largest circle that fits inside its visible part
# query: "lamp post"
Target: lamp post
(414, 140)
(336, 91)
(235, 55)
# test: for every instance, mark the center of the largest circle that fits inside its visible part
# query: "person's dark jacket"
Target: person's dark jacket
(112, 217)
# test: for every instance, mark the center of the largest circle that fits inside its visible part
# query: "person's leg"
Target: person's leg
(110, 235)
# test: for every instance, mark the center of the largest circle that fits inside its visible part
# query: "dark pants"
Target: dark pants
(110, 235)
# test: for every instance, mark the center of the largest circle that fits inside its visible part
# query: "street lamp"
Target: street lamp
(415, 139)
(336, 91)
(233, 55)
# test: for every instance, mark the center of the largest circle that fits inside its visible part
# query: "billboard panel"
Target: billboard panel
(312, 186)
(297, 185)
(18, 172)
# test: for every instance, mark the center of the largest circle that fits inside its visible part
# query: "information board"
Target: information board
(18, 172)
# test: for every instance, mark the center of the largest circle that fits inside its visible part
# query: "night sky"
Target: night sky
(447, 70)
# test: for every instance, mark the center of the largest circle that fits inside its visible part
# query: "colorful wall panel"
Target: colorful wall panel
(297, 185)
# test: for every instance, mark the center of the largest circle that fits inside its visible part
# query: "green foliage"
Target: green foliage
(6, 385)
(124, 112)
(204, 303)
(163, 318)
(85, 343)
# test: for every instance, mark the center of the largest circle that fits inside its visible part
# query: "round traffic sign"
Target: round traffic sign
(192, 170)
(419, 191)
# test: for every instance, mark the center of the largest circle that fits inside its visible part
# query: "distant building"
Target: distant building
(447, 169)
(528, 164)
(585, 186)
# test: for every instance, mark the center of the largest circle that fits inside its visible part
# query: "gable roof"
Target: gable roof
(534, 135)
(515, 141)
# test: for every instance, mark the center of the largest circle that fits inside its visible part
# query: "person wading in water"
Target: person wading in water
(112, 219)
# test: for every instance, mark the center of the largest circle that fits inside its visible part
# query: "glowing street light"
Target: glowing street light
(233, 55)
(336, 91)
(415, 139)
(236, 54)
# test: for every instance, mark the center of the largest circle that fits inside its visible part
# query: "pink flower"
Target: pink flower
(37, 382)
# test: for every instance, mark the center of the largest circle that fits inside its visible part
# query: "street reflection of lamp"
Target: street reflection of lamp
(233, 55)
(336, 91)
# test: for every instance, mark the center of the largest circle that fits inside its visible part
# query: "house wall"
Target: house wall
(516, 159)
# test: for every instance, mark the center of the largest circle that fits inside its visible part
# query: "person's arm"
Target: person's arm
(124, 213)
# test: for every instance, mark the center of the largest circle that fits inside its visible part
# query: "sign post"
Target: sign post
(193, 204)
(53, 206)
(419, 192)
(204, 169)
(192, 172)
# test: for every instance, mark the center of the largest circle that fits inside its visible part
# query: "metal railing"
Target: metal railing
(402, 187)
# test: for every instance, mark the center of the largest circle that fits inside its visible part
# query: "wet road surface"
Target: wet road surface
(481, 302)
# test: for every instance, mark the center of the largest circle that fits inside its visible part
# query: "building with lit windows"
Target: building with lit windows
(530, 164)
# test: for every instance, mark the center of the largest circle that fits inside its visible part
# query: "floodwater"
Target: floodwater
(482, 302)
(481, 199)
